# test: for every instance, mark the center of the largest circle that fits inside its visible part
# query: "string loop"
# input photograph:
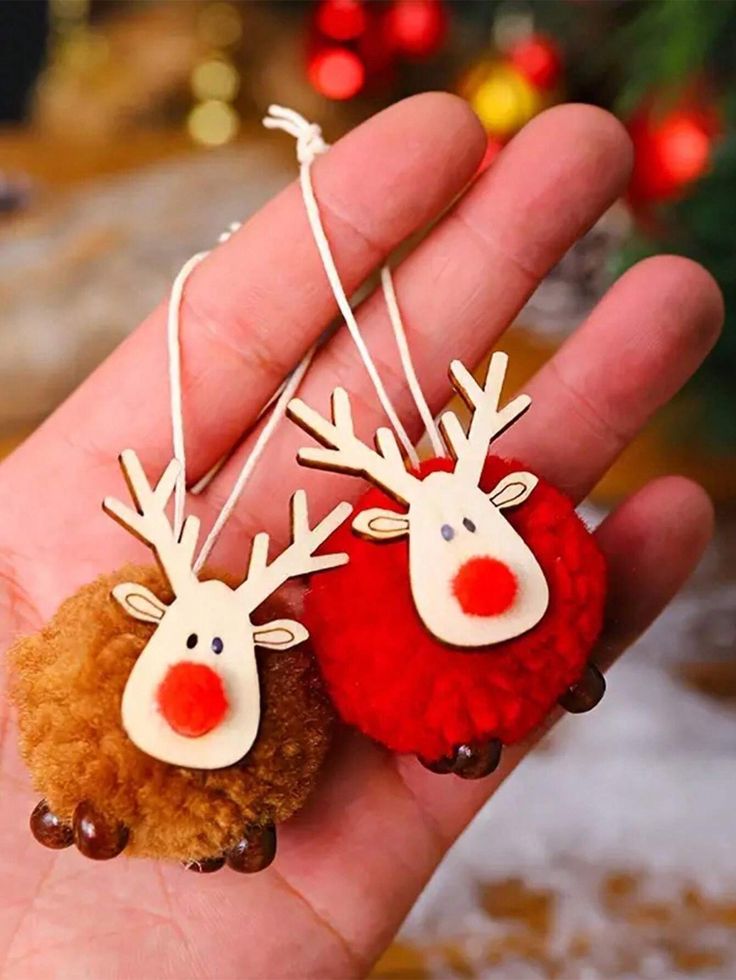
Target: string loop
(308, 136)
(309, 145)
(277, 405)
(402, 343)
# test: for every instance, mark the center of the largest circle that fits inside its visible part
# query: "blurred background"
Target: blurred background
(611, 853)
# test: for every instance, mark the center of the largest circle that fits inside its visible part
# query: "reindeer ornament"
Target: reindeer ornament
(474, 593)
(479, 608)
(177, 707)
(172, 712)
(449, 522)
(178, 723)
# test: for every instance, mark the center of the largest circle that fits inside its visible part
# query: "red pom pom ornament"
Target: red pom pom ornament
(471, 598)
(453, 627)
(395, 681)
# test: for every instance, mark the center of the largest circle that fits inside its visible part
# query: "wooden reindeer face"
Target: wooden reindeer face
(193, 695)
(473, 579)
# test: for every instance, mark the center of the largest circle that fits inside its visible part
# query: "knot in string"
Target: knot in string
(309, 144)
(308, 136)
(277, 405)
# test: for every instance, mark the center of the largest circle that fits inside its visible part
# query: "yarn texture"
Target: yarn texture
(392, 679)
(67, 683)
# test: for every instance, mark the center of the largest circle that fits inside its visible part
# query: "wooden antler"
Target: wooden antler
(345, 453)
(150, 523)
(298, 558)
(487, 422)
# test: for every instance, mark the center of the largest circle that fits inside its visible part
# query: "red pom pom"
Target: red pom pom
(192, 699)
(392, 679)
(484, 587)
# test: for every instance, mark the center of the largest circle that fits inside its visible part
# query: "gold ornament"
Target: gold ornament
(503, 99)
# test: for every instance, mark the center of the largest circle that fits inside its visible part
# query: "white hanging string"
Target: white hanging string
(277, 413)
(310, 145)
(394, 315)
(177, 413)
(279, 401)
(204, 481)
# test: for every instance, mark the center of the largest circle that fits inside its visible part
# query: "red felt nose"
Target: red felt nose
(484, 587)
(192, 699)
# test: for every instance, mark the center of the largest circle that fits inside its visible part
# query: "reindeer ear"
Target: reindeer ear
(280, 634)
(381, 525)
(139, 602)
(513, 490)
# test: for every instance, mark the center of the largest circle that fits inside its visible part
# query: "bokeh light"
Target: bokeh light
(416, 27)
(341, 20)
(215, 79)
(337, 73)
(213, 123)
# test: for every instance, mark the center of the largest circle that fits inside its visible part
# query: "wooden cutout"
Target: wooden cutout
(280, 634)
(345, 453)
(381, 525)
(202, 612)
(139, 602)
(512, 490)
(444, 506)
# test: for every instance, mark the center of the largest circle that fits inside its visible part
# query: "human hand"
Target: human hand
(349, 866)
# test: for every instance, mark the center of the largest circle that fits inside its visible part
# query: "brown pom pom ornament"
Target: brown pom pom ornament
(167, 712)
(104, 794)
(164, 712)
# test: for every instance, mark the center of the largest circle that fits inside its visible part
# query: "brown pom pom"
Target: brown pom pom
(67, 684)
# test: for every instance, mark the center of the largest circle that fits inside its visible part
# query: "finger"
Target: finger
(635, 556)
(467, 281)
(637, 349)
(464, 283)
(389, 821)
(260, 300)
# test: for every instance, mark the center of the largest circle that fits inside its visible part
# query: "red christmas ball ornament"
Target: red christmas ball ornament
(671, 151)
(416, 28)
(341, 20)
(539, 59)
(336, 72)
(392, 679)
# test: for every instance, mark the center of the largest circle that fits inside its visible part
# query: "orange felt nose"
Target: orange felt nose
(192, 699)
(484, 587)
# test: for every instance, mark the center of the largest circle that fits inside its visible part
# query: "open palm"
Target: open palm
(351, 864)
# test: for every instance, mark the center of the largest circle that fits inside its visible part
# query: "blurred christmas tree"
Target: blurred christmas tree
(667, 68)
(682, 65)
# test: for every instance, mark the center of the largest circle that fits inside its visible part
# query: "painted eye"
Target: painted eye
(469, 524)
(217, 645)
(448, 533)
(192, 640)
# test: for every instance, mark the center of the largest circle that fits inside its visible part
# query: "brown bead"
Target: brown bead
(586, 694)
(441, 766)
(254, 851)
(48, 829)
(468, 761)
(96, 836)
(205, 866)
(478, 761)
